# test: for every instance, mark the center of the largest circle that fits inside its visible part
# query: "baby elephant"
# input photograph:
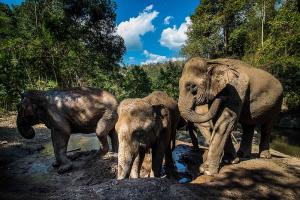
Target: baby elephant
(143, 124)
(76, 110)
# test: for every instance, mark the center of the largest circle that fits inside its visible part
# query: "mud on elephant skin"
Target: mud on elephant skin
(75, 110)
(144, 124)
(235, 92)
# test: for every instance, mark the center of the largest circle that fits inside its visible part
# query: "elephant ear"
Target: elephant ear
(161, 112)
(219, 75)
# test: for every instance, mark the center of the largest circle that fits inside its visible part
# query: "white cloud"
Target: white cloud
(167, 20)
(135, 27)
(154, 58)
(149, 8)
(174, 38)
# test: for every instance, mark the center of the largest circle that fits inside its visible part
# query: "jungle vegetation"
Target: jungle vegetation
(67, 43)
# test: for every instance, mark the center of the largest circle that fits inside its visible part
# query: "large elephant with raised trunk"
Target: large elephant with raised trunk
(148, 123)
(235, 92)
(75, 110)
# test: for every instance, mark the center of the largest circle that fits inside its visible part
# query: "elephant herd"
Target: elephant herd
(214, 95)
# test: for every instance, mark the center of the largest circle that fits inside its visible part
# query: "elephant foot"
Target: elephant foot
(63, 168)
(203, 167)
(103, 152)
(211, 170)
(265, 154)
(55, 164)
(231, 160)
(242, 154)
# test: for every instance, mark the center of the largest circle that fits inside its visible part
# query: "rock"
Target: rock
(203, 179)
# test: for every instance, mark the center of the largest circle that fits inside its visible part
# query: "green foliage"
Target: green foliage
(65, 43)
(136, 82)
(168, 79)
(56, 43)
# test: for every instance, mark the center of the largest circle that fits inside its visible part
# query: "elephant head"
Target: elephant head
(201, 83)
(28, 113)
(138, 127)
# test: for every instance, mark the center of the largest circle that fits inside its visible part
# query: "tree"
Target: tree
(281, 51)
(168, 79)
(212, 25)
(50, 43)
(93, 24)
(136, 82)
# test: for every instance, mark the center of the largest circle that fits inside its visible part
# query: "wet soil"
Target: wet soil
(26, 173)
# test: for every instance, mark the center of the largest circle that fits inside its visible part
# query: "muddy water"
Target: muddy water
(286, 141)
(77, 142)
(39, 164)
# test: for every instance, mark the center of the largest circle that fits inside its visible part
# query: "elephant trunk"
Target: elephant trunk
(186, 103)
(24, 128)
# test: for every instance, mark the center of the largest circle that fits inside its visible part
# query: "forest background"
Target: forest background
(48, 44)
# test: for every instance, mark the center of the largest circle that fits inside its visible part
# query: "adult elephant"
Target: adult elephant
(147, 123)
(76, 110)
(236, 92)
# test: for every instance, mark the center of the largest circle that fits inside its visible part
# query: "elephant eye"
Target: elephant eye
(190, 86)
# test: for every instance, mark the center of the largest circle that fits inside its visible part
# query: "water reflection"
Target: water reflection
(84, 142)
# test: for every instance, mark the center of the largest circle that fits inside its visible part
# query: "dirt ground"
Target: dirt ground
(26, 173)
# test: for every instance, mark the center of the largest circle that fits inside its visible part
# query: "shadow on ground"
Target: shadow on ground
(26, 173)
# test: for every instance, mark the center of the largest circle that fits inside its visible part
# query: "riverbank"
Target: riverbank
(26, 173)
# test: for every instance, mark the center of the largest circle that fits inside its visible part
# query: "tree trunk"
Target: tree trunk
(263, 19)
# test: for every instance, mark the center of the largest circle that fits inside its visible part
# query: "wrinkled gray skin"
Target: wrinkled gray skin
(235, 92)
(145, 124)
(76, 110)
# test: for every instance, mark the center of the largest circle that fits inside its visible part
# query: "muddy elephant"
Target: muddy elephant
(235, 92)
(75, 110)
(144, 124)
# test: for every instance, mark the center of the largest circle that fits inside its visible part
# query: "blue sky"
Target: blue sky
(153, 30)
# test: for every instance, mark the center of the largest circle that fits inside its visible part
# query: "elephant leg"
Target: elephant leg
(230, 155)
(104, 126)
(56, 163)
(222, 129)
(246, 143)
(105, 146)
(193, 136)
(205, 130)
(137, 164)
(206, 127)
(126, 156)
(158, 152)
(114, 140)
(60, 143)
(169, 161)
(264, 144)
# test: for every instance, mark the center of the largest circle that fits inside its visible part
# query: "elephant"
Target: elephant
(143, 124)
(190, 127)
(235, 93)
(68, 111)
